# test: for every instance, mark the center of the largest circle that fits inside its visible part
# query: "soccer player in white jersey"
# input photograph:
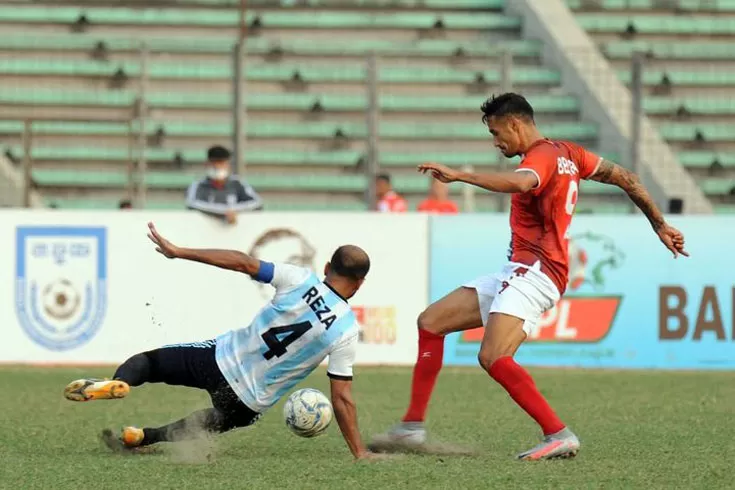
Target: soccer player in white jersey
(246, 371)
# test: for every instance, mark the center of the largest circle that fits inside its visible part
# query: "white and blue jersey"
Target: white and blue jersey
(305, 322)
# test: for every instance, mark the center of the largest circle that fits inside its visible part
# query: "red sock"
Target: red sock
(428, 365)
(520, 386)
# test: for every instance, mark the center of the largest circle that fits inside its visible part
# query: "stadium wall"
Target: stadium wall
(88, 288)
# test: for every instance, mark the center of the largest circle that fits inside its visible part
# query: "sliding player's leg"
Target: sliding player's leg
(189, 365)
(514, 314)
(459, 310)
(228, 412)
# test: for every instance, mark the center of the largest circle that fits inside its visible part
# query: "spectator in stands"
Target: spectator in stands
(438, 201)
(222, 194)
(125, 204)
(388, 200)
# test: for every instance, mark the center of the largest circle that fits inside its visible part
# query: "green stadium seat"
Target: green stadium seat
(315, 130)
(708, 5)
(697, 106)
(174, 205)
(704, 159)
(692, 50)
(273, 72)
(260, 46)
(657, 24)
(266, 101)
(724, 208)
(679, 77)
(262, 182)
(684, 132)
(718, 186)
(282, 19)
(265, 157)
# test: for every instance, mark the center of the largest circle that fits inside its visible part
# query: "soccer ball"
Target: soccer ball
(308, 412)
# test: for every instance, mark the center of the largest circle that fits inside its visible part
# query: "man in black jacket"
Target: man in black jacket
(221, 193)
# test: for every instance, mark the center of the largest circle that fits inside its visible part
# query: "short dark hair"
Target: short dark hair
(383, 176)
(350, 261)
(507, 104)
(217, 153)
(125, 204)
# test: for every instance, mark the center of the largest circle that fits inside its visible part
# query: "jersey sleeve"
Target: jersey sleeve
(589, 162)
(538, 163)
(342, 357)
(281, 276)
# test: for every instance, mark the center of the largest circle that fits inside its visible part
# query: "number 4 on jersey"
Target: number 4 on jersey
(277, 346)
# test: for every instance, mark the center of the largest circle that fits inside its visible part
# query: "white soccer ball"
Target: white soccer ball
(308, 412)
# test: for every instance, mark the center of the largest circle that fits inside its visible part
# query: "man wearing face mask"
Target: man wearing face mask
(220, 193)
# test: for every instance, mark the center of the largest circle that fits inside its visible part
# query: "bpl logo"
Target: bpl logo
(61, 284)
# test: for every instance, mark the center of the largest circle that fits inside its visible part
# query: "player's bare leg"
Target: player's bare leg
(457, 311)
(503, 335)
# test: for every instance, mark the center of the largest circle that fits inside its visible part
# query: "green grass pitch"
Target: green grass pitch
(638, 429)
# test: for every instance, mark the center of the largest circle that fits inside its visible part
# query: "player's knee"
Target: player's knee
(486, 358)
(135, 371)
(427, 321)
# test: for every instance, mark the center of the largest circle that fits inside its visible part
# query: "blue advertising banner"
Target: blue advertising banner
(629, 304)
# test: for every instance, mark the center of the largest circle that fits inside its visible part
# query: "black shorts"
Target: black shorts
(195, 365)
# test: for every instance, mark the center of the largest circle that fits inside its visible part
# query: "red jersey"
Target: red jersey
(392, 203)
(540, 218)
(436, 206)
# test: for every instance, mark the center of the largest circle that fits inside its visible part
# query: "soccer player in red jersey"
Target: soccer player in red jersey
(545, 188)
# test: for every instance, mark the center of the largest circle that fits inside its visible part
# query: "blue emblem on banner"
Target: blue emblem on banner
(61, 283)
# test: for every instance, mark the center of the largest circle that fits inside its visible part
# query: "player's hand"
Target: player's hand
(231, 216)
(163, 246)
(439, 172)
(672, 239)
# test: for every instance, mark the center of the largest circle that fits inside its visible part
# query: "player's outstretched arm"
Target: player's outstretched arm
(345, 412)
(613, 174)
(506, 182)
(225, 259)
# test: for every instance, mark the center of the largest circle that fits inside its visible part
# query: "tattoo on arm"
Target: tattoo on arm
(611, 173)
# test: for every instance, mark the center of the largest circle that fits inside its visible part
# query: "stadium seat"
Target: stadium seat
(658, 50)
(274, 72)
(315, 130)
(643, 5)
(521, 48)
(656, 24)
(283, 19)
(262, 182)
(266, 101)
(431, 54)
